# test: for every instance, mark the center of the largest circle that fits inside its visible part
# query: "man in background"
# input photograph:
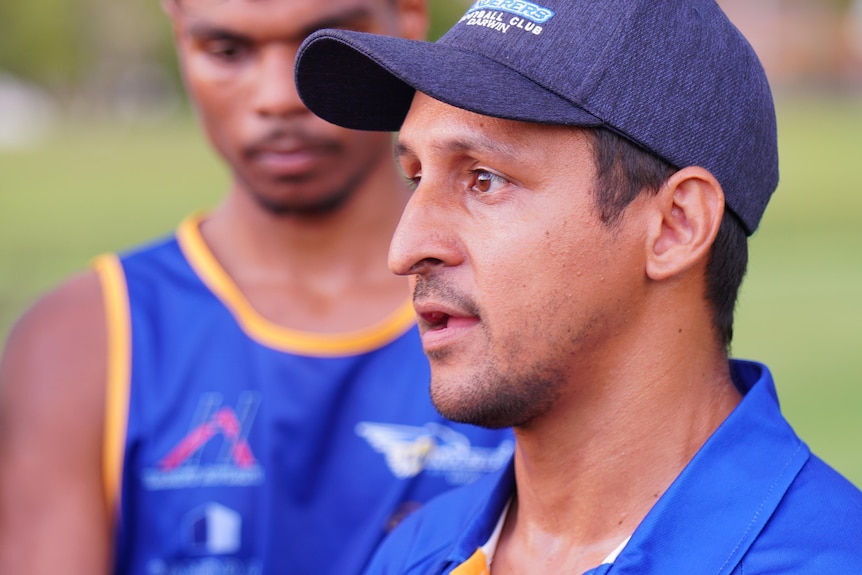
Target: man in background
(585, 182)
(249, 395)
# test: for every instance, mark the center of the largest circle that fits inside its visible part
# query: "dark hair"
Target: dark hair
(624, 171)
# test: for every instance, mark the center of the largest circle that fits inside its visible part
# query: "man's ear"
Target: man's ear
(413, 18)
(688, 212)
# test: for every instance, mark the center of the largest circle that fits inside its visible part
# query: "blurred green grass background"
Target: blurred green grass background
(90, 189)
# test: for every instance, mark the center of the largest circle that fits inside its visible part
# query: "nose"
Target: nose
(425, 239)
(275, 93)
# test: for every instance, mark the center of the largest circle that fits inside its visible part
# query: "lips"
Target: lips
(287, 156)
(285, 162)
(443, 326)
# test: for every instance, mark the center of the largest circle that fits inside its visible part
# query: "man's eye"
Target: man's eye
(413, 182)
(484, 181)
(225, 49)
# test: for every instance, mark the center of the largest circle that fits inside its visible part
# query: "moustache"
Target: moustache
(432, 288)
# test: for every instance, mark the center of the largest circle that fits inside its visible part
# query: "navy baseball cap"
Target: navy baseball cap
(674, 76)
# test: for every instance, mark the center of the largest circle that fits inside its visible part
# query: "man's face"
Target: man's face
(237, 58)
(519, 288)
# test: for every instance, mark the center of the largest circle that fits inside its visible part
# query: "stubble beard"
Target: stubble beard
(483, 393)
(319, 207)
(491, 398)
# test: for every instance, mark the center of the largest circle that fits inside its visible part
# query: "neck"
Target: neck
(590, 471)
(324, 273)
(365, 220)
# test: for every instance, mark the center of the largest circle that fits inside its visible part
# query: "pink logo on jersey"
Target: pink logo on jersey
(213, 420)
(224, 421)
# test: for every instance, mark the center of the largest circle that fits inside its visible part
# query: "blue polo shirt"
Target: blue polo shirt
(753, 500)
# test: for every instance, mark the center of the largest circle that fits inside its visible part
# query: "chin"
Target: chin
(493, 400)
(322, 206)
(473, 406)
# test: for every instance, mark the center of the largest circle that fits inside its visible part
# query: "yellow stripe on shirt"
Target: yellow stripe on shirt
(115, 296)
(278, 337)
(477, 564)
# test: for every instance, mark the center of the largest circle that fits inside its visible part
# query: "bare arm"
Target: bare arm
(53, 514)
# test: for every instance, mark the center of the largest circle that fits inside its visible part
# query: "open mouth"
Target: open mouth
(436, 320)
(444, 323)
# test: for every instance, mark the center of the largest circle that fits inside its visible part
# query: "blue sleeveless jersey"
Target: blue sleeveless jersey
(235, 446)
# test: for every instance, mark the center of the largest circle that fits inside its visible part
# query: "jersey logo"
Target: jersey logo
(215, 451)
(224, 421)
(434, 449)
(212, 539)
(213, 529)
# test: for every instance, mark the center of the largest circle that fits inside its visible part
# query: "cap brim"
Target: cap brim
(367, 82)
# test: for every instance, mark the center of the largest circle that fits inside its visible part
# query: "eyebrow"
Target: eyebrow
(345, 19)
(206, 30)
(464, 145)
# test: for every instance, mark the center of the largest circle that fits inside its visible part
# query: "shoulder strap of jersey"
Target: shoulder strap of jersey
(116, 300)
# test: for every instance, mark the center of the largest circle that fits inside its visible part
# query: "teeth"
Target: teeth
(437, 318)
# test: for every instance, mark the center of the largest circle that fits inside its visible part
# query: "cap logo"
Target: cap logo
(491, 14)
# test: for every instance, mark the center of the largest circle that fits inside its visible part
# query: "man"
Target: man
(586, 174)
(266, 408)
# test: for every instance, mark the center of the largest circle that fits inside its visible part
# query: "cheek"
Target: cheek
(552, 269)
(519, 273)
(214, 118)
(211, 89)
(217, 107)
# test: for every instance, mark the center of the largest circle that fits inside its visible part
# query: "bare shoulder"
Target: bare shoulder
(58, 345)
(53, 515)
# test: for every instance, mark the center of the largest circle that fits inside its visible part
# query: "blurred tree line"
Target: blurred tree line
(109, 55)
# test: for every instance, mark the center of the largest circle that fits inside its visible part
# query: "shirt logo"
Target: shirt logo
(434, 449)
(215, 451)
(212, 538)
(213, 529)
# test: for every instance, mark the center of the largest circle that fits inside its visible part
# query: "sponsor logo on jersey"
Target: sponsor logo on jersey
(209, 533)
(213, 529)
(434, 449)
(215, 451)
(506, 15)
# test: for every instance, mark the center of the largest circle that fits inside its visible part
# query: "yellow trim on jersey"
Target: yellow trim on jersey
(268, 333)
(477, 564)
(119, 367)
